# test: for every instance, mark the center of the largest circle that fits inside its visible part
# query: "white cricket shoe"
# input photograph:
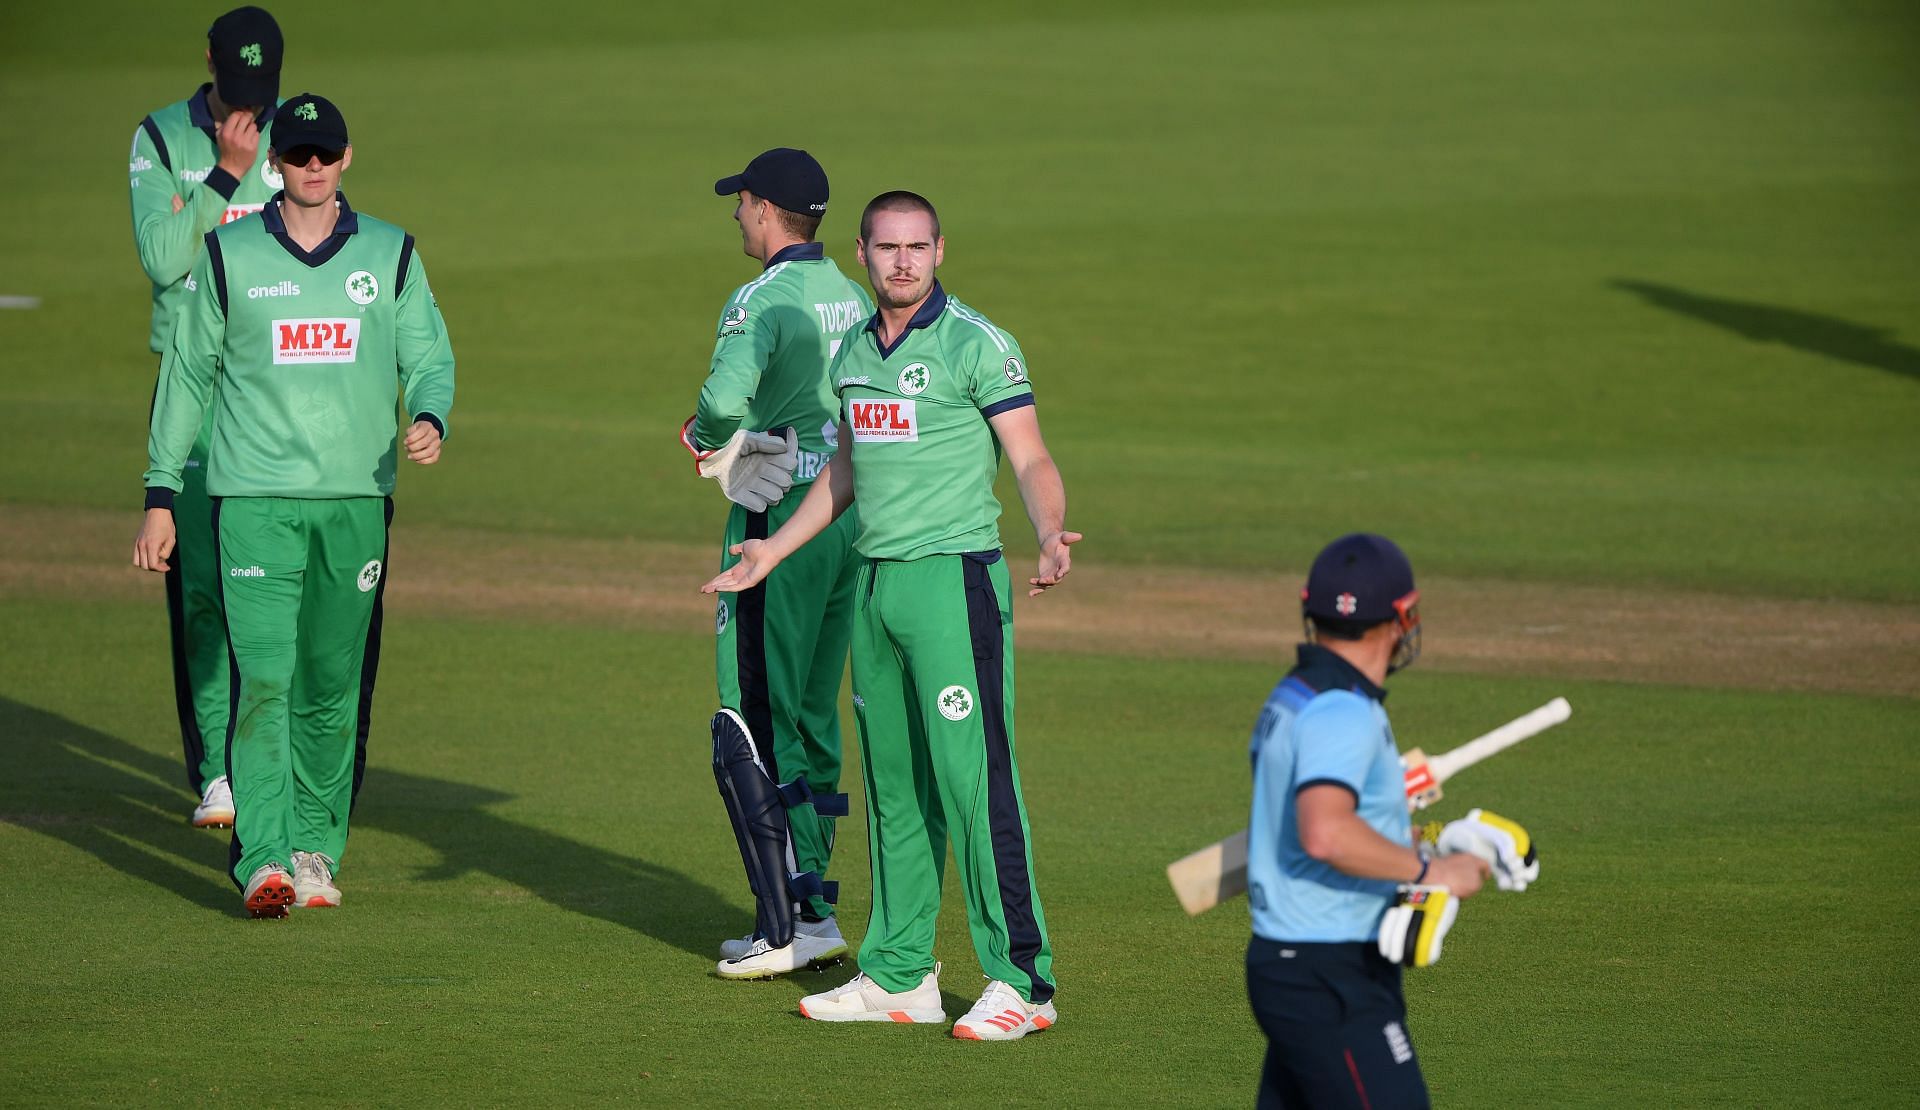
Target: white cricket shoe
(764, 961)
(268, 892)
(862, 999)
(215, 810)
(734, 949)
(313, 881)
(1002, 1015)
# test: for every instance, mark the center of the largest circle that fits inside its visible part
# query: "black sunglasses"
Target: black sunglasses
(302, 155)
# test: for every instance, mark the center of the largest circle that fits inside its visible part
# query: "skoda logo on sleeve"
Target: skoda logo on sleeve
(956, 703)
(362, 287)
(370, 575)
(734, 318)
(1016, 373)
(914, 379)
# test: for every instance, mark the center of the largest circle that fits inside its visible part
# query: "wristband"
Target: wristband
(1425, 862)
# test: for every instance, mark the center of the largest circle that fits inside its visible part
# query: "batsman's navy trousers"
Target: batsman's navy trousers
(1336, 1025)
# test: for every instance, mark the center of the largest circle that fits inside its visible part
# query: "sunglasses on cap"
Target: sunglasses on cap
(303, 155)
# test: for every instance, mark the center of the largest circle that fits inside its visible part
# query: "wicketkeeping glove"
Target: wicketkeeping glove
(1502, 843)
(754, 469)
(1416, 924)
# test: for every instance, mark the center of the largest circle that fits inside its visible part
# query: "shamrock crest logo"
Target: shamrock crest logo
(914, 379)
(370, 575)
(250, 53)
(307, 112)
(956, 703)
(720, 618)
(362, 286)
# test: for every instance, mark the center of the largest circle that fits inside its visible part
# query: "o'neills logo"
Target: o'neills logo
(284, 289)
(245, 572)
(303, 341)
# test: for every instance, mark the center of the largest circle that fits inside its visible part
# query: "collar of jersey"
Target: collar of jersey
(798, 252)
(347, 224)
(202, 116)
(1322, 670)
(930, 311)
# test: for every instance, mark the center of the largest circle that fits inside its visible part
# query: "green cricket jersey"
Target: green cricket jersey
(776, 335)
(303, 356)
(926, 457)
(175, 154)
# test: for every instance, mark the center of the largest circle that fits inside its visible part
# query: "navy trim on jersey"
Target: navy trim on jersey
(347, 224)
(1007, 405)
(222, 182)
(1003, 793)
(1319, 669)
(406, 259)
(438, 424)
(219, 263)
(159, 144)
(930, 311)
(370, 668)
(799, 252)
(1346, 786)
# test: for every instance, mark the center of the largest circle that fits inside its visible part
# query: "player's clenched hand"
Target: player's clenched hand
(1055, 562)
(239, 140)
(423, 443)
(155, 542)
(757, 560)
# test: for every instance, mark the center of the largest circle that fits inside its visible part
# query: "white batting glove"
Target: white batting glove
(1502, 843)
(754, 469)
(1413, 928)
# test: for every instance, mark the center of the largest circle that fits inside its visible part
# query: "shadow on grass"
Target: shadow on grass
(111, 800)
(1828, 336)
(114, 801)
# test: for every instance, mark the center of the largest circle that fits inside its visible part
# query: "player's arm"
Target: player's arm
(999, 387)
(170, 216)
(830, 496)
(425, 358)
(180, 400)
(745, 342)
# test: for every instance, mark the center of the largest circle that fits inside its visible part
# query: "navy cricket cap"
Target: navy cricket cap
(309, 120)
(1357, 578)
(790, 178)
(245, 47)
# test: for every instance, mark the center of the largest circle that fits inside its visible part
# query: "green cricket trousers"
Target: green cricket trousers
(780, 655)
(933, 696)
(197, 631)
(301, 583)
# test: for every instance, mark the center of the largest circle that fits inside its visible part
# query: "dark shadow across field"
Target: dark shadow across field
(108, 798)
(1828, 336)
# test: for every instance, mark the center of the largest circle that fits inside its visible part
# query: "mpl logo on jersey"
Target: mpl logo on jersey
(883, 421)
(297, 342)
(237, 211)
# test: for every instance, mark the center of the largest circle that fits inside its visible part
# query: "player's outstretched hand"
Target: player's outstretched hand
(155, 542)
(239, 142)
(1055, 562)
(423, 443)
(756, 562)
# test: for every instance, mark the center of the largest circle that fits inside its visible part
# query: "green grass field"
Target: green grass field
(1614, 301)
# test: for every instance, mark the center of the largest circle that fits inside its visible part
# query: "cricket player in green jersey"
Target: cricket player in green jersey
(766, 424)
(303, 330)
(196, 164)
(931, 394)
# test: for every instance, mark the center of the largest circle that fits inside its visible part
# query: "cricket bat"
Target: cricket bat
(1217, 872)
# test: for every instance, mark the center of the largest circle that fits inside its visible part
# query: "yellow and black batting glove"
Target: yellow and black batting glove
(1415, 925)
(1502, 843)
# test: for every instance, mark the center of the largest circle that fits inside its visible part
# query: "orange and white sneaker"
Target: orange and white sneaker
(313, 881)
(862, 999)
(215, 810)
(268, 892)
(1002, 1015)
